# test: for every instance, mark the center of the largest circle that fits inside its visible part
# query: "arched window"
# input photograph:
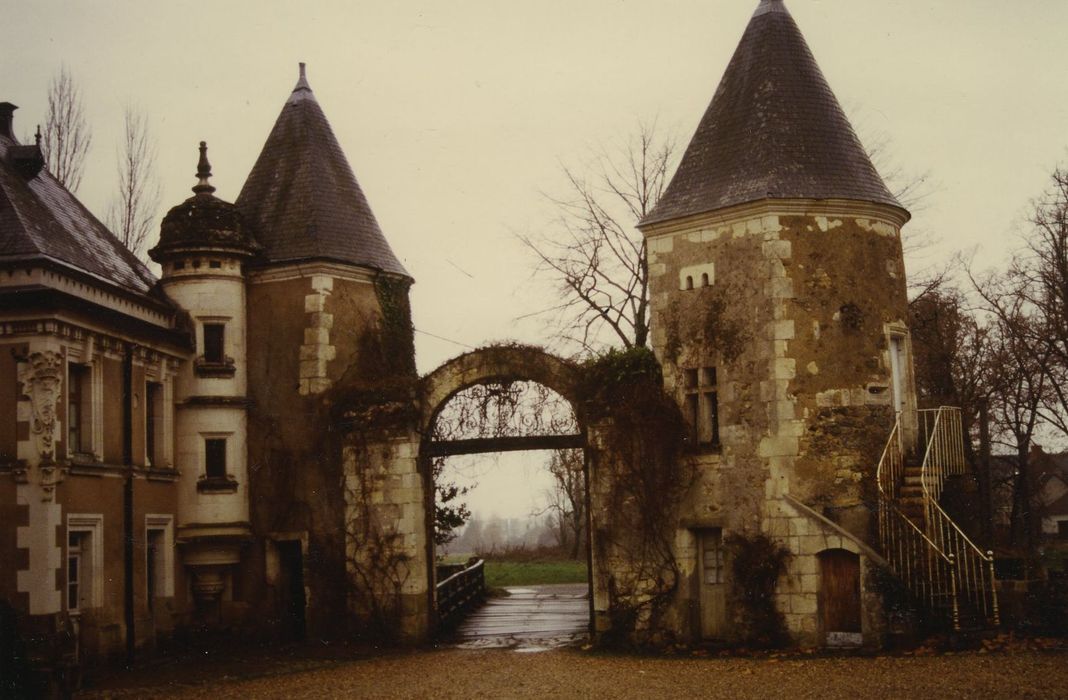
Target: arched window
(689, 282)
(704, 279)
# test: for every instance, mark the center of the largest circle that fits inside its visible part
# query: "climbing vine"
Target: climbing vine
(757, 562)
(647, 474)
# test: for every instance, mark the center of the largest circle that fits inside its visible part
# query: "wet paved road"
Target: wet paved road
(531, 618)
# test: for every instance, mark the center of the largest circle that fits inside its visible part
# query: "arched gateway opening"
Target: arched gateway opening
(491, 401)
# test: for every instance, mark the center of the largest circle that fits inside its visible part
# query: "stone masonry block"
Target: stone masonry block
(322, 283)
(776, 250)
(778, 446)
(812, 544)
(316, 336)
(662, 244)
(314, 303)
(804, 604)
(781, 287)
(770, 224)
(784, 368)
(781, 330)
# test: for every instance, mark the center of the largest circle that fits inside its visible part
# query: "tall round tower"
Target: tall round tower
(202, 249)
(779, 313)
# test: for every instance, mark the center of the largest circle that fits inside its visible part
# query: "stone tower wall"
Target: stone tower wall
(795, 318)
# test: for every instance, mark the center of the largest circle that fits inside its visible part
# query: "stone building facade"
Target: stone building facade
(243, 442)
(779, 315)
(166, 462)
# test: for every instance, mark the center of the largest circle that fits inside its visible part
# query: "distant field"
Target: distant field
(530, 573)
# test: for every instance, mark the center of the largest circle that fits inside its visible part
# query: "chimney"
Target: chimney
(7, 118)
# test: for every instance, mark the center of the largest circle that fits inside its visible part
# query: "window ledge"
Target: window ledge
(217, 484)
(205, 368)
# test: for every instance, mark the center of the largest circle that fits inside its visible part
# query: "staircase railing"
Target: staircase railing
(974, 570)
(935, 559)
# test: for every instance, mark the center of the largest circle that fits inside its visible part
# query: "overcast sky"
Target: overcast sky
(456, 115)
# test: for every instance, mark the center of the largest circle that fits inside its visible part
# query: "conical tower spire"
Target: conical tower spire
(774, 130)
(302, 198)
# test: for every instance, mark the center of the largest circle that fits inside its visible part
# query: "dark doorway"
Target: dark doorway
(840, 591)
(291, 588)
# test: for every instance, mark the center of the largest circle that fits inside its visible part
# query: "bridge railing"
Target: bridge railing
(459, 593)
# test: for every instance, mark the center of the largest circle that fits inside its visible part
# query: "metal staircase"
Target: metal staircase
(939, 564)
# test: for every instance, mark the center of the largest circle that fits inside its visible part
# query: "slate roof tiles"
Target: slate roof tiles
(41, 220)
(773, 130)
(302, 199)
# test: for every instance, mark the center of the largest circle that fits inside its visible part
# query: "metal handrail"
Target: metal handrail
(937, 561)
(945, 457)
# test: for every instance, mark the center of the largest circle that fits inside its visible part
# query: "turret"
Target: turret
(203, 248)
(779, 307)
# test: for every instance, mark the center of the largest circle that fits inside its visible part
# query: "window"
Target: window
(215, 458)
(179, 264)
(689, 281)
(712, 556)
(153, 423)
(85, 552)
(704, 279)
(1062, 529)
(702, 405)
(159, 557)
(75, 542)
(214, 334)
(215, 264)
(79, 409)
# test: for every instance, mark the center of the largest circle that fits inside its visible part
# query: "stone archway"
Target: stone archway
(389, 493)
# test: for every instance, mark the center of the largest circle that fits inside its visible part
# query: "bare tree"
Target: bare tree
(1030, 299)
(67, 137)
(567, 499)
(132, 212)
(594, 253)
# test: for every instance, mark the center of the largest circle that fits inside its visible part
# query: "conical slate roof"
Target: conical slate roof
(773, 130)
(40, 220)
(302, 200)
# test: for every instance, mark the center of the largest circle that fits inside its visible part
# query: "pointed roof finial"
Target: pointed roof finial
(302, 82)
(767, 6)
(203, 171)
(37, 136)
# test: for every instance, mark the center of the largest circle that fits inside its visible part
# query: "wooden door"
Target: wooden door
(713, 586)
(840, 590)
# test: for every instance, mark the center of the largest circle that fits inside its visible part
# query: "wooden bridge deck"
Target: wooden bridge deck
(531, 618)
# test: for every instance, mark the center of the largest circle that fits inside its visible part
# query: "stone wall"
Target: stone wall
(795, 318)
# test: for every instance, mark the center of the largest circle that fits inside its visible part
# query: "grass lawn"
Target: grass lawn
(529, 573)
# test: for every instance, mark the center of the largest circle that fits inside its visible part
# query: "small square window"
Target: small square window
(214, 264)
(179, 264)
(215, 458)
(214, 337)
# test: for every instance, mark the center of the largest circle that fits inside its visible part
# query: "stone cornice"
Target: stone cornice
(842, 208)
(282, 273)
(103, 342)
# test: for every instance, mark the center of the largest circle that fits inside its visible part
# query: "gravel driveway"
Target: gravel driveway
(572, 673)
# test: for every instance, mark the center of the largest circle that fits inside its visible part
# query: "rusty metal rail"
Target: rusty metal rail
(458, 594)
